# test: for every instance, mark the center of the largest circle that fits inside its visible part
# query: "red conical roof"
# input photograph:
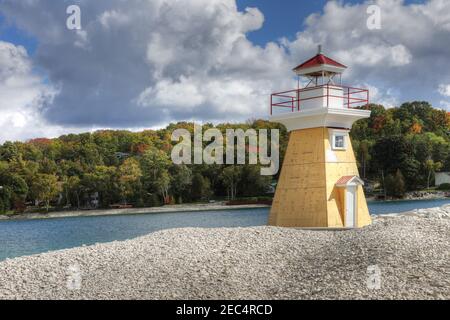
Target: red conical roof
(319, 60)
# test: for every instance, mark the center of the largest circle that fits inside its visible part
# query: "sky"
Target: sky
(138, 64)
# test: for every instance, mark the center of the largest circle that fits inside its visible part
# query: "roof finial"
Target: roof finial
(319, 49)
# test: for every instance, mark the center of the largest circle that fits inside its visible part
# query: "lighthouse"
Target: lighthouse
(319, 185)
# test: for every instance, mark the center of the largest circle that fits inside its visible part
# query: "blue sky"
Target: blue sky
(144, 63)
(10, 33)
(282, 18)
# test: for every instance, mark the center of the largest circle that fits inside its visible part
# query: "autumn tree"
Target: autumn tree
(72, 190)
(155, 164)
(129, 178)
(102, 180)
(44, 188)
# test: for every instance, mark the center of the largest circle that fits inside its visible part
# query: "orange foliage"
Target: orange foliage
(416, 128)
(40, 142)
(378, 123)
(140, 148)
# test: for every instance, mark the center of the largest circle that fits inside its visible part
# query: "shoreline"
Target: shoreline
(409, 197)
(373, 200)
(217, 206)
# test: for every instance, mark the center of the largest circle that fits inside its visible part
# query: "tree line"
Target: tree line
(398, 149)
(402, 148)
(110, 167)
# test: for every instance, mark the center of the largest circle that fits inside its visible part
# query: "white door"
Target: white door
(350, 211)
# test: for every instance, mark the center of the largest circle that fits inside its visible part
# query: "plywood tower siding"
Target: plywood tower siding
(306, 194)
(300, 197)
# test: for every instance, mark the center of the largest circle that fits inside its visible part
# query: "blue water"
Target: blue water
(383, 207)
(19, 238)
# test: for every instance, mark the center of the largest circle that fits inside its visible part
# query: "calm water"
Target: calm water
(382, 207)
(19, 238)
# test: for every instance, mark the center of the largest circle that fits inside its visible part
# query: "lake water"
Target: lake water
(19, 238)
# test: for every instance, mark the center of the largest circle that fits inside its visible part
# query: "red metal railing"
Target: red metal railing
(292, 99)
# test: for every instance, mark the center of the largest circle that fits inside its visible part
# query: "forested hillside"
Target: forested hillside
(403, 147)
(117, 167)
(400, 148)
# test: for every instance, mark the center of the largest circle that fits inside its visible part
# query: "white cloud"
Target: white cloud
(143, 63)
(113, 18)
(387, 97)
(408, 56)
(179, 95)
(438, 12)
(372, 55)
(445, 105)
(444, 89)
(81, 39)
(23, 95)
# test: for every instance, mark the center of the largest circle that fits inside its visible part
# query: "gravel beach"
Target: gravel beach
(410, 251)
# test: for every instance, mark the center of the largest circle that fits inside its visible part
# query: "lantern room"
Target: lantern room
(323, 101)
(320, 70)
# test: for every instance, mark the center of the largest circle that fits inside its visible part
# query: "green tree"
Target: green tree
(14, 188)
(5, 199)
(410, 169)
(72, 189)
(48, 166)
(9, 151)
(102, 179)
(389, 153)
(201, 187)
(129, 178)
(395, 185)
(45, 187)
(432, 167)
(364, 155)
(162, 184)
(181, 181)
(230, 177)
(156, 178)
(252, 183)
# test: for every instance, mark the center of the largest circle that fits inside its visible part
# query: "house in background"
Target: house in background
(441, 178)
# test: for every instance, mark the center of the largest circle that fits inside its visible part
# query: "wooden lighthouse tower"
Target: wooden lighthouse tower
(319, 185)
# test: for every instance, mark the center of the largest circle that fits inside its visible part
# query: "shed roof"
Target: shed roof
(346, 180)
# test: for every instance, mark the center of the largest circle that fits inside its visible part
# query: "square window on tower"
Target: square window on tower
(338, 141)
